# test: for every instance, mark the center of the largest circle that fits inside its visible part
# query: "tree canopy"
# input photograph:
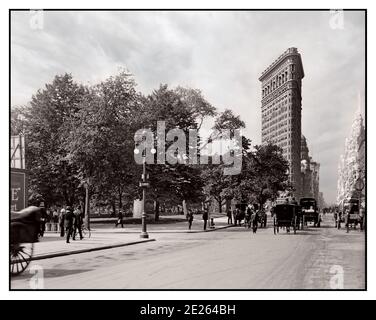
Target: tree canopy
(79, 134)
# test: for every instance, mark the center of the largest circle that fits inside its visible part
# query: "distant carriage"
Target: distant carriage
(309, 212)
(353, 216)
(242, 210)
(285, 215)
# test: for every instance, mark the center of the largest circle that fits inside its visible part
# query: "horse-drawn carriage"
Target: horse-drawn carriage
(309, 212)
(24, 231)
(285, 216)
(352, 214)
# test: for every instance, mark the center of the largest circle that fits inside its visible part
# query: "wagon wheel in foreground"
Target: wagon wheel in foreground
(20, 257)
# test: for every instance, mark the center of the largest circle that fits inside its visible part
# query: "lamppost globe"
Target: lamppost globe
(136, 151)
(153, 151)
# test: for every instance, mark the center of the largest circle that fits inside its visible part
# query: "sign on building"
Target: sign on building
(18, 191)
(18, 174)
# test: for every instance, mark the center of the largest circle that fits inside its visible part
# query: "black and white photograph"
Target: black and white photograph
(176, 149)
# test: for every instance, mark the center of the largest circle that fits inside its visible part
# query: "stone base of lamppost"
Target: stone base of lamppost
(144, 235)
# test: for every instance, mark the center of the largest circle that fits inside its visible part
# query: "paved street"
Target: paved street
(231, 258)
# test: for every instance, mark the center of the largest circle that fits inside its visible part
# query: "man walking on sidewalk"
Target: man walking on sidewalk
(77, 223)
(69, 222)
(229, 216)
(62, 222)
(190, 219)
(120, 219)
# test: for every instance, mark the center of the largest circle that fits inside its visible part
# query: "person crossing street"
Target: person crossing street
(254, 221)
(205, 216)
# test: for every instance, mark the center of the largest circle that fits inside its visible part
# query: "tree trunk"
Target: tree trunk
(120, 202)
(219, 200)
(114, 207)
(185, 210)
(228, 205)
(87, 208)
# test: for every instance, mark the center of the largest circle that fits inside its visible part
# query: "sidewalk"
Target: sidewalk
(52, 245)
(176, 227)
(106, 236)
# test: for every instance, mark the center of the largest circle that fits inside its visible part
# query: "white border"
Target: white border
(170, 295)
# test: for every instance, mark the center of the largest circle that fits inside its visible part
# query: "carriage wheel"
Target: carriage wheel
(20, 257)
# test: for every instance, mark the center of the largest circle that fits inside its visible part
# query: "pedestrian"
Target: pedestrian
(248, 215)
(205, 216)
(77, 227)
(69, 217)
(254, 221)
(229, 216)
(340, 217)
(62, 222)
(190, 219)
(347, 219)
(335, 215)
(236, 216)
(55, 216)
(119, 219)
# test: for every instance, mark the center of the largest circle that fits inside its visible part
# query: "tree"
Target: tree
(182, 108)
(101, 140)
(45, 128)
(217, 184)
(266, 173)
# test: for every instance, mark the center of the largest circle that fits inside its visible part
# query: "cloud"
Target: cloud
(221, 53)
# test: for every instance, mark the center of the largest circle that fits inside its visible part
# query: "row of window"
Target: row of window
(278, 80)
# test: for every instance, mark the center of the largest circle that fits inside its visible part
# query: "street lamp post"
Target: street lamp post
(87, 206)
(144, 184)
(359, 186)
(144, 234)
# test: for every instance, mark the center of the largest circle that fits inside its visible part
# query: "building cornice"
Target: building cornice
(288, 53)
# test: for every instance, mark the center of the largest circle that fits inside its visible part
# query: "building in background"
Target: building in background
(351, 168)
(281, 103)
(310, 173)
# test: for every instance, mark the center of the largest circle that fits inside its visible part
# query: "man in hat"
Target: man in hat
(62, 222)
(69, 217)
(77, 223)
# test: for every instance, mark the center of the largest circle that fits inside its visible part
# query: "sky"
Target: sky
(221, 53)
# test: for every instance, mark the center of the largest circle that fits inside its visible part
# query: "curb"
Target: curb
(68, 253)
(209, 229)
